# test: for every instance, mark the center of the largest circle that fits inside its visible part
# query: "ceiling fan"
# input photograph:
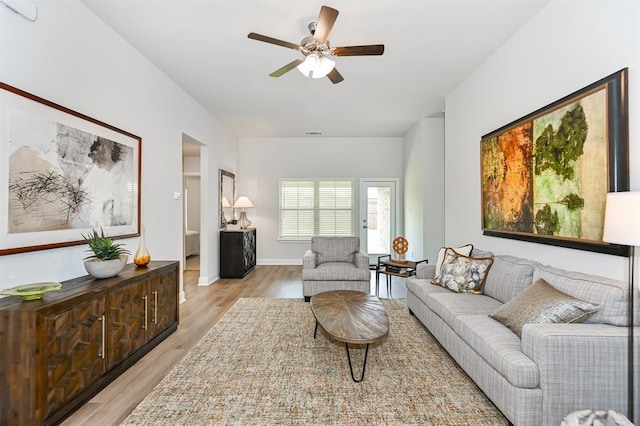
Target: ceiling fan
(315, 48)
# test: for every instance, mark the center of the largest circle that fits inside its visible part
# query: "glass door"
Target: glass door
(377, 217)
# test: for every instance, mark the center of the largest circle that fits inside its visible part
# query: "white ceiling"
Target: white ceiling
(430, 47)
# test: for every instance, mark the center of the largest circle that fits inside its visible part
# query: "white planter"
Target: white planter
(105, 268)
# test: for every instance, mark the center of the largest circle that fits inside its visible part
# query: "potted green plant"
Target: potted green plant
(107, 257)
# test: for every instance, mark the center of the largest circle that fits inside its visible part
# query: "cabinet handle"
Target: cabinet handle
(155, 307)
(103, 336)
(144, 326)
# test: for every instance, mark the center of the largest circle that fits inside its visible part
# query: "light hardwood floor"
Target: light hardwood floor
(204, 306)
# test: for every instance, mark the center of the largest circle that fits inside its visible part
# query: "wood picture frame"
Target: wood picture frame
(545, 176)
(62, 174)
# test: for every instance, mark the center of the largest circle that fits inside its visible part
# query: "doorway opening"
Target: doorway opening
(194, 210)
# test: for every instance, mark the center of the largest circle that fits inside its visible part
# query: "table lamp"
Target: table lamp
(243, 203)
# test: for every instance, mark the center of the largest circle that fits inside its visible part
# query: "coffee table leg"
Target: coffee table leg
(366, 352)
(316, 330)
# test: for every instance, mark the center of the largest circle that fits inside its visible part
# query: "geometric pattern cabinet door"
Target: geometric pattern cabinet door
(249, 250)
(163, 303)
(126, 328)
(75, 351)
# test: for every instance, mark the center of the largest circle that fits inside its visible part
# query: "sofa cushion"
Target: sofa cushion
(335, 249)
(476, 252)
(465, 250)
(336, 271)
(497, 345)
(541, 303)
(509, 275)
(611, 295)
(449, 305)
(422, 288)
(463, 274)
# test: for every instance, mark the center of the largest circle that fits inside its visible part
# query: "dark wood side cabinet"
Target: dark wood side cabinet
(59, 351)
(237, 252)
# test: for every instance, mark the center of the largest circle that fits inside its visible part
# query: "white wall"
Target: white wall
(192, 189)
(263, 161)
(562, 49)
(72, 58)
(424, 188)
(191, 165)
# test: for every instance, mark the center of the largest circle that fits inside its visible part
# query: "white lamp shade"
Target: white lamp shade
(243, 203)
(225, 202)
(622, 218)
(316, 66)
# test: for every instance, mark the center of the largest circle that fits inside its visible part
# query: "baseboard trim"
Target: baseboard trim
(275, 262)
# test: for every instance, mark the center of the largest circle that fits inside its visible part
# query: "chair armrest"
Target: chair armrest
(309, 260)
(362, 260)
(425, 271)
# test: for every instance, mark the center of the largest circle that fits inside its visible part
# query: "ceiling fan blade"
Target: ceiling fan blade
(335, 76)
(287, 68)
(372, 49)
(325, 22)
(272, 40)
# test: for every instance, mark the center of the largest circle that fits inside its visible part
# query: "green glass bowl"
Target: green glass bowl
(32, 291)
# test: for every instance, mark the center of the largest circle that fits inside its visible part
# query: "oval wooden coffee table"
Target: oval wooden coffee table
(351, 317)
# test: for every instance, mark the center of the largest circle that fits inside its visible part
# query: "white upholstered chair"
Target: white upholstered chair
(335, 263)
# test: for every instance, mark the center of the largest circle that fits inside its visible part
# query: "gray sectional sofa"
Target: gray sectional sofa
(553, 369)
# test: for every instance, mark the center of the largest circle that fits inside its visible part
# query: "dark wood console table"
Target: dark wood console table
(390, 268)
(61, 350)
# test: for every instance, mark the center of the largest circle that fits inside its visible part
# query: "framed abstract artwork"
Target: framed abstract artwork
(545, 177)
(63, 173)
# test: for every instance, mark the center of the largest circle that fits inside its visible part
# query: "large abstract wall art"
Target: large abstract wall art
(545, 176)
(63, 173)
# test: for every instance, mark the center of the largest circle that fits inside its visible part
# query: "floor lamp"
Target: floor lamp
(622, 226)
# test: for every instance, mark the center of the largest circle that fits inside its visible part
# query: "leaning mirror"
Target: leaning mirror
(227, 197)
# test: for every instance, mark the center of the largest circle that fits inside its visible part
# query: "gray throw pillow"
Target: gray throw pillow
(541, 303)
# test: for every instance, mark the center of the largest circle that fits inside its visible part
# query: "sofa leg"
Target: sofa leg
(411, 313)
(307, 298)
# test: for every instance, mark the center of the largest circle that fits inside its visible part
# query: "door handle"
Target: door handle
(155, 307)
(103, 327)
(146, 313)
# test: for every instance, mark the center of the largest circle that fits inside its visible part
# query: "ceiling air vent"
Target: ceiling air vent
(313, 133)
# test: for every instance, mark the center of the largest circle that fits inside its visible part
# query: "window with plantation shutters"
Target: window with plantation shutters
(316, 207)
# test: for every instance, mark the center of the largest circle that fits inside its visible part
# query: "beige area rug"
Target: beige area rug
(259, 365)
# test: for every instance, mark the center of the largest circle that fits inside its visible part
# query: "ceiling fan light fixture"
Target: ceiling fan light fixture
(316, 66)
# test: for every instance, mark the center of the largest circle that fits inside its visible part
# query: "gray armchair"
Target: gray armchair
(335, 263)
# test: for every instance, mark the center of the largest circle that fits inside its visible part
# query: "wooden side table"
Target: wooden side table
(390, 268)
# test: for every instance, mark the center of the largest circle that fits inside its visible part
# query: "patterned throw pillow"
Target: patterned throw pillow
(464, 250)
(463, 274)
(541, 303)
